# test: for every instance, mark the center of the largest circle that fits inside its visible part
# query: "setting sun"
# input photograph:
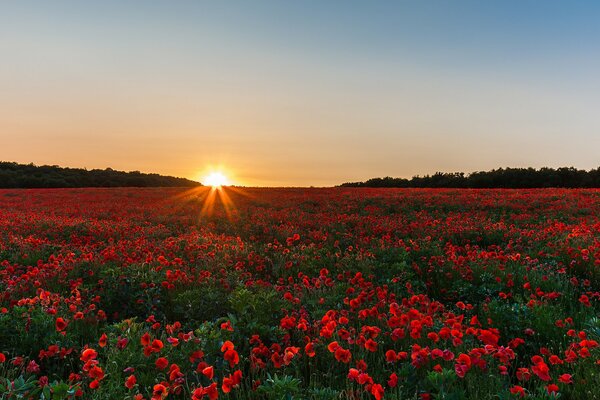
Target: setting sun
(216, 179)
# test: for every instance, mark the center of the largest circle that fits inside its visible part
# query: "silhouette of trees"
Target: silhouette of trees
(14, 175)
(564, 177)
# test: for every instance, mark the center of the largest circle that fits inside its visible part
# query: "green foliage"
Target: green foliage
(128, 296)
(20, 388)
(27, 331)
(256, 311)
(198, 304)
(280, 388)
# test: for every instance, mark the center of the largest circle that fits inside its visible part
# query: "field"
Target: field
(299, 294)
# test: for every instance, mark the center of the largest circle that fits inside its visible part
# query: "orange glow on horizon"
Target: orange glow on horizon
(216, 180)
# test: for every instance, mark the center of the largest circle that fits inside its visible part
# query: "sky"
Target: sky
(302, 93)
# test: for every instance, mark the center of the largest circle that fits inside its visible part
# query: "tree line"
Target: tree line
(564, 177)
(14, 175)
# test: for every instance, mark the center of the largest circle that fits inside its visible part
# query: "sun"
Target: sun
(216, 180)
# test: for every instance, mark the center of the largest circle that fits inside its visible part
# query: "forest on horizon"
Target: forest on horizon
(564, 177)
(15, 175)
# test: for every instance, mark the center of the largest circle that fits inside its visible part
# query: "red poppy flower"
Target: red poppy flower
(232, 357)
(390, 356)
(566, 378)
(103, 340)
(209, 372)
(228, 345)
(393, 381)
(61, 324)
(377, 391)
(309, 349)
(343, 355)
(159, 391)
(520, 390)
(130, 382)
(552, 388)
(161, 363)
(88, 354)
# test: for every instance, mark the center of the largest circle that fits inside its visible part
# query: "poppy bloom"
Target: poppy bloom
(371, 345)
(585, 300)
(209, 372)
(554, 359)
(88, 354)
(61, 324)
(174, 372)
(523, 374)
(520, 390)
(309, 349)
(231, 381)
(33, 367)
(161, 363)
(145, 339)
(377, 391)
(210, 391)
(122, 343)
(103, 340)
(130, 382)
(540, 369)
(393, 381)
(566, 378)
(96, 372)
(463, 364)
(156, 345)
(552, 388)
(228, 345)
(390, 356)
(159, 392)
(343, 355)
(232, 357)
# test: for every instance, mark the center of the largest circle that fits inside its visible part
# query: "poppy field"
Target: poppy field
(342, 293)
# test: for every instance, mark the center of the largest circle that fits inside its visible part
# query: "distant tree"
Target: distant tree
(565, 177)
(13, 175)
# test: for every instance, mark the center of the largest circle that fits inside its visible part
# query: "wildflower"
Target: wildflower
(343, 355)
(159, 391)
(393, 381)
(232, 357)
(552, 388)
(371, 345)
(520, 390)
(377, 391)
(209, 372)
(88, 354)
(103, 340)
(130, 382)
(309, 349)
(463, 364)
(566, 378)
(390, 356)
(61, 324)
(161, 363)
(540, 368)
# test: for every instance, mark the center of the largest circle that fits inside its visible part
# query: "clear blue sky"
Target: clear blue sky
(300, 93)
